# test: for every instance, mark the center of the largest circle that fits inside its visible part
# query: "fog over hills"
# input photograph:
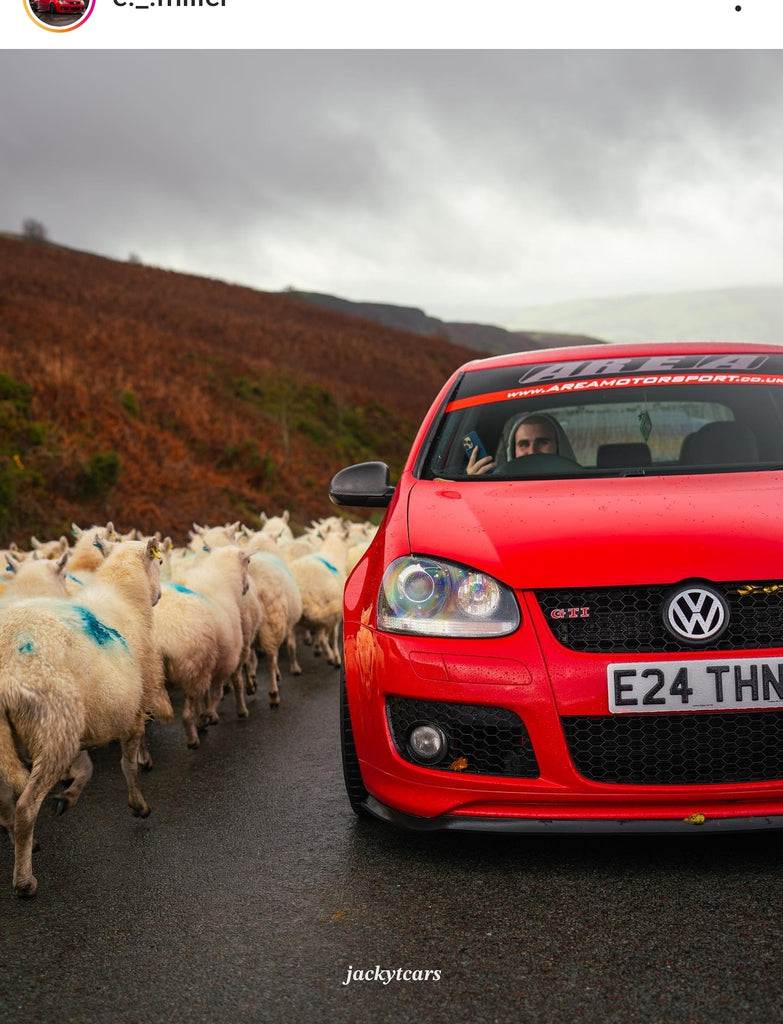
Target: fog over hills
(725, 314)
(721, 314)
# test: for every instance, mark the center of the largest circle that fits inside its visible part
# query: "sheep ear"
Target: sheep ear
(286, 515)
(76, 530)
(263, 517)
(100, 545)
(153, 551)
(35, 543)
(12, 566)
(64, 543)
(60, 564)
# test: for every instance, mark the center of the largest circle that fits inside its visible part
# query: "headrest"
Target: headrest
(721, 443)
(620, 456)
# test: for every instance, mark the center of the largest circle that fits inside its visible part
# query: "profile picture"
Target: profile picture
(60, 15)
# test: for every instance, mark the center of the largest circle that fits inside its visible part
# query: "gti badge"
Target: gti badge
(570, 613)
(696, 614)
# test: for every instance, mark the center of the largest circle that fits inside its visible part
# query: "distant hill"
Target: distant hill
(727, 314)
(487, 338)
(156, 399)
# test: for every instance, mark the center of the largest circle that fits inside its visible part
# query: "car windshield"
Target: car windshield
(611, 417)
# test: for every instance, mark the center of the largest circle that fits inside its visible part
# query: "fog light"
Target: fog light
(427, 743)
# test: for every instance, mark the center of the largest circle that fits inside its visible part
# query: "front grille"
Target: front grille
(482, 740)
(628, 620)
(679, 749)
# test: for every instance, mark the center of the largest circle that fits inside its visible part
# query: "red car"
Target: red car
(57, 6)
(571, 617)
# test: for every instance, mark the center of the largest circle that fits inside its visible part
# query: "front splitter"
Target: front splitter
(696, 823)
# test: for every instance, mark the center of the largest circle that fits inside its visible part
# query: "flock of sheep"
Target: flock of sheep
(95, 634)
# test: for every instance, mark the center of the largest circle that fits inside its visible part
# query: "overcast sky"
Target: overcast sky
(472, 184)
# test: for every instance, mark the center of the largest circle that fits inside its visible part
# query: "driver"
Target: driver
(531, 434)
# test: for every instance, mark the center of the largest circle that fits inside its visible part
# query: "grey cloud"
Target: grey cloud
(456, 166)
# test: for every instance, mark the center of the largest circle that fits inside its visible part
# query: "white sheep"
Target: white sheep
(87, 554)
(197, 629)
(281, 604)
(35, 577)
(75, 675)
(321, 583)
(49, 548)
(276, 527)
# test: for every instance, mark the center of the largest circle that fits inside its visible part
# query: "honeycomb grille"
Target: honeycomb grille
(628, 620)
(679, 749)
(482, 740)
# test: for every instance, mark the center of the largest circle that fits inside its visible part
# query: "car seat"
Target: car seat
(718, 443)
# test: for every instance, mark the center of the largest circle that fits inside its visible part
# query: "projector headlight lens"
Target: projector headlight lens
(431, 597)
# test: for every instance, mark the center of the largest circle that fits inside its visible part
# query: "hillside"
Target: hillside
(486, 338)
(726, 314)
(157, 399)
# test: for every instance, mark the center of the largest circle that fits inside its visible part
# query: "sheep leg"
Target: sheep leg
(322, 643)
(145, 757)
(41, 780)
(80, 774)
(293, 663)
(336, 645)
(129, 763)
(251, 669)
(189, 717)
(237, 681)
(216, 690)
(7, 809)
(274, 675)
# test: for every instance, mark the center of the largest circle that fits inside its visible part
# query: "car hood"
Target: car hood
(605, 532)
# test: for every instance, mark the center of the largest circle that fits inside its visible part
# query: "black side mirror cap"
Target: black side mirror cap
(366, 484)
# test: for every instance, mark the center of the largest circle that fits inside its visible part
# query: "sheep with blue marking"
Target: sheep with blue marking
(281, 604)
(197, 629)
(321, 580)
(73, 675)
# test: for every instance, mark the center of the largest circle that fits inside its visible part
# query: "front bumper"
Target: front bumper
(544, 686)
(696, 823)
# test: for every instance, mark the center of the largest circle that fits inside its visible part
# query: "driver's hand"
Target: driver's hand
(477, 466)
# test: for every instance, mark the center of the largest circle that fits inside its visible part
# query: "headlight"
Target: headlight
(428, 597)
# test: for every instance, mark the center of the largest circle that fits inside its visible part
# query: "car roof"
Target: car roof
(615, 350)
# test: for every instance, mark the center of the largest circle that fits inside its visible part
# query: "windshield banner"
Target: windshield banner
(608, 374)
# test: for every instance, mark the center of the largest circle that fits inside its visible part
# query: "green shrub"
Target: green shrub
(100, 474)
(130, 403)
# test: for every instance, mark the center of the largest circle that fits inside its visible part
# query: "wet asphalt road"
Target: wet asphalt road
(252, 888)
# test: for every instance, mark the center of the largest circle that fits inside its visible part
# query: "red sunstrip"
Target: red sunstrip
(611, 383)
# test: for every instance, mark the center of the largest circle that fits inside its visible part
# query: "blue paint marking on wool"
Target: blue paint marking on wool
(182, 590)
(75, 579)
(97, 630)
(328, 565)
(26, 647)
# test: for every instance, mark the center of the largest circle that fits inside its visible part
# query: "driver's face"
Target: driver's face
(534, 439)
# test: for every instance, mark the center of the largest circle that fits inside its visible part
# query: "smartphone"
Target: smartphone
(471, 441)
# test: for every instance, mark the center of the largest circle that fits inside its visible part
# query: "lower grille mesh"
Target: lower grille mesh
(678, 750)
(483, 740)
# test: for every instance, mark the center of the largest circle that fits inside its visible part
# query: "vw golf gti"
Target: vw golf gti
(571, 616)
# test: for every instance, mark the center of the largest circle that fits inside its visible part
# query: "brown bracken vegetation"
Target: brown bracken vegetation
(156, 399)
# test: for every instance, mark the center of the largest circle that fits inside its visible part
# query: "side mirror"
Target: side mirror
(366, 484)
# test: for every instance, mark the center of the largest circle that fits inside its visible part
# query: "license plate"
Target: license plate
(704, 685)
